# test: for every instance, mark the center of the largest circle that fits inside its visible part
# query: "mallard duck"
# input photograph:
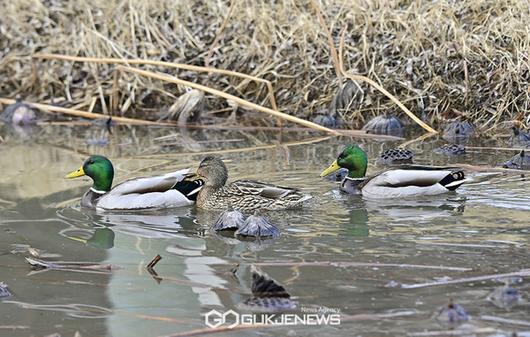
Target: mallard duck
(241, 194)
(399, 181)
(169, 190)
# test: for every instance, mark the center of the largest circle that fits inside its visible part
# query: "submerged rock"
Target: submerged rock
(395, 157)
(519, 162)
(19, 114)
(452, 313)
(520, 138)
(451, 149)
(231, 220)
(384, 125)
(458, 131)
(258, 226)
(505, 297)
(4, 290)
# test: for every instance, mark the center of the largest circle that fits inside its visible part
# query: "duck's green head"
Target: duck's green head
(100, 169)
(352, 158)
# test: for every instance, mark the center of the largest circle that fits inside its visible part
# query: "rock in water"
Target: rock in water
(385, 125)
(229, 220)
(4, 290)
(452, 314)
(458, 131)
(505, 297)
(451, 149)
(520, 138)
(19, 114)
(395, 157)
(519, 162)
(267, 294)
(258, 226)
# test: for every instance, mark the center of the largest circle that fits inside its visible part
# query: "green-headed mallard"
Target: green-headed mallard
(400, 181)
(241, 194)
(165, 191)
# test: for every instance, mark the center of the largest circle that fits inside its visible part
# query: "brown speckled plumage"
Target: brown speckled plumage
(242, 194)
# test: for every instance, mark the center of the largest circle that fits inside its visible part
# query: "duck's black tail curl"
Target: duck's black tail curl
(190, 188)
(453, 180)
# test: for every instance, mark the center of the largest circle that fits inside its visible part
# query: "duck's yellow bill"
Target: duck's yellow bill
(77, 173)
(332, 168)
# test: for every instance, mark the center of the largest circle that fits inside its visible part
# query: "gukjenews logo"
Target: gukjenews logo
(231, 318)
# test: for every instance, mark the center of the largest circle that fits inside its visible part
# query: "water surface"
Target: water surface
(482, 229)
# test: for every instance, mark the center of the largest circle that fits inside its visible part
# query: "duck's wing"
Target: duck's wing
(149, 192)
(413, 180)
(245, 187)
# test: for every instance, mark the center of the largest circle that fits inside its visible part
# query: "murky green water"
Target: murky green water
(483, 229)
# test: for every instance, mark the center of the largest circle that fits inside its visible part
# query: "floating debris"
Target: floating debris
(4, 290)
(258, 226)
(519, 138)
(505, 297)
(458, 131)
(452, 314)
(151, 265)
(451, 149)
(89, 266)
(154, 261)
(395, 157)
(519, 162)
(229, 220)
(267, 294)
(19, 114)
(19, 248)
(385, 125)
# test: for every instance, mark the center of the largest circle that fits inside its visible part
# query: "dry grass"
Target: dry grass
(442, 59)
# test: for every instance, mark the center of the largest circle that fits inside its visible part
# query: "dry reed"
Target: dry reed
(442, 59)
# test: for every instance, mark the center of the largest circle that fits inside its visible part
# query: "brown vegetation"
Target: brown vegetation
(441, 59)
